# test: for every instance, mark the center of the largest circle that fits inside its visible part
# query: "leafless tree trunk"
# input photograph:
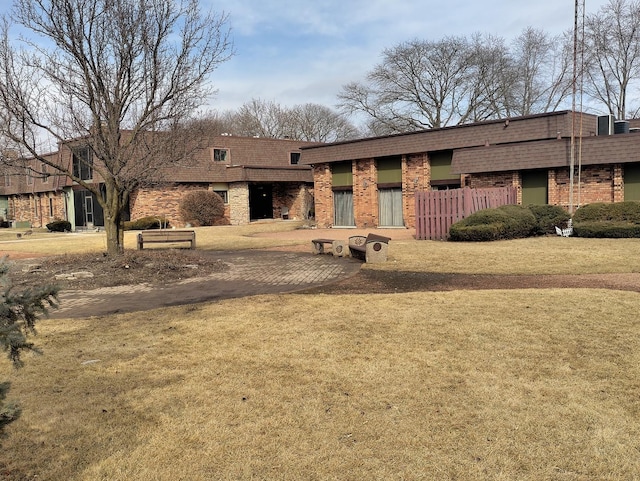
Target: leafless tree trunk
(612, 55)
(120, 78)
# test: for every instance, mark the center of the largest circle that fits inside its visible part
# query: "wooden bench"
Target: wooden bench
(371, 249)
(338, 247)
(156, 236)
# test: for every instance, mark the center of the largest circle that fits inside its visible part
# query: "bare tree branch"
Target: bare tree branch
(121, 77)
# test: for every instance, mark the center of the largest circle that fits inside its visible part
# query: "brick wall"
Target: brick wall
(37, 209)
(495, 179)
(365, 193)
(165, 201)
(597, 184)
(416, 175)
(602, 183)
(298, 198)
(618, 183)
(323, 196)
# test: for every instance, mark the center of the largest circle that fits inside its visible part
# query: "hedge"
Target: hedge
(59, 226)
(614, 221)
(146, 223)
(548, 217)
(505, 222)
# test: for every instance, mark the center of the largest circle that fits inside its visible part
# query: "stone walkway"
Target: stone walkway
(251, 272)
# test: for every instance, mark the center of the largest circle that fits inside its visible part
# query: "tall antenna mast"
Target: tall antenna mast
(576, 85)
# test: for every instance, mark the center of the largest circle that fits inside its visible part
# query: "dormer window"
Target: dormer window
(45, 173)
(294, 158)
(220, 155)
(83, 163)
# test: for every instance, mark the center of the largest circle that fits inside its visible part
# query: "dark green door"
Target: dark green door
(632, 181)
(535, 188)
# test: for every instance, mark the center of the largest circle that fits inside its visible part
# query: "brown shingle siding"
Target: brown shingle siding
(535, 127)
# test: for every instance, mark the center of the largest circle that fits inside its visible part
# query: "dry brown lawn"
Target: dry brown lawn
(529, 384)
(42, 242)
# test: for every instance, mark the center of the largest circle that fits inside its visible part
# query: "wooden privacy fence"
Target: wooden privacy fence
(436, 210)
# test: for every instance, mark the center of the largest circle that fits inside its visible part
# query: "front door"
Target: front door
(260, 202)
(88, 211)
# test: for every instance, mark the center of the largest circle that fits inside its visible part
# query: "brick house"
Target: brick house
(371, 182)
(258, 178)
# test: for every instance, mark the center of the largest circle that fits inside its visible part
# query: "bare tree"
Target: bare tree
(308, 122)
(116, 78)
(318, 123)
(612, 55)
(262, 118)
(492, 78)
(425, 84)
(542, 73)
(418, 84)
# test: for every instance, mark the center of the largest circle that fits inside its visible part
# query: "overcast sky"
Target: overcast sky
(298, 51)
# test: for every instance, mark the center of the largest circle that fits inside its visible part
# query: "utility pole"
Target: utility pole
(576, 85)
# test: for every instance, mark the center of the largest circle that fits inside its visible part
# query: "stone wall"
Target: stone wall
(239, 202)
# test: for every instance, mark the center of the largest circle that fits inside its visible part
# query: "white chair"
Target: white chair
(565, 232)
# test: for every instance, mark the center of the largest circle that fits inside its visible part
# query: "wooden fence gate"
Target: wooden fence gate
(437, 210)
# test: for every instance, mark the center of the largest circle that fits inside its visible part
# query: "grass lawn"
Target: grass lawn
(501, 385)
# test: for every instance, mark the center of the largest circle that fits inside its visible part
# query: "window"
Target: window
(83, 163)
(294, 158)
(29, 176)
(45, 173)
(51, 207)
(36, 205)
(7, 180)
(220, 155)
(224, 194)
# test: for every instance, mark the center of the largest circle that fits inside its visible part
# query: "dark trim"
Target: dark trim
(342, 188)
(390, 185)
(446, 181)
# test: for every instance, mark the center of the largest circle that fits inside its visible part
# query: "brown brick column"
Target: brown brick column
(415, 178)
(618, 183)
(365, 194)
(323, 196)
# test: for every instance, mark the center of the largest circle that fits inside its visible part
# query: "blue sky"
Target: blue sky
(298, 51)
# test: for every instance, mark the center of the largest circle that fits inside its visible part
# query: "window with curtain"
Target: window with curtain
(343, 208)
(390, 207)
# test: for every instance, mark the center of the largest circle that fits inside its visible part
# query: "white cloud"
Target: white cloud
(294, 51)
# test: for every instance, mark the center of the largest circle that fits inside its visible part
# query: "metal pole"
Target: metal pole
(573, 106)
